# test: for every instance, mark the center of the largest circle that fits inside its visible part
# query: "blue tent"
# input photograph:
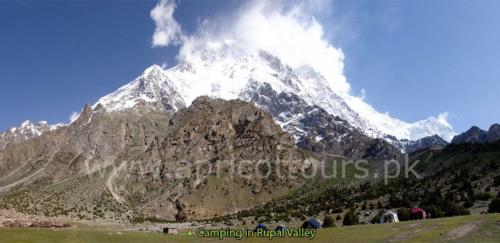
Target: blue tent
(312, 223)
(261, 226)
(280, 228)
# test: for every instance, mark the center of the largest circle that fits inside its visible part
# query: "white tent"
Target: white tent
(389, 217)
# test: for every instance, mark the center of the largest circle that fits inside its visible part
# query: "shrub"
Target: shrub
(453, 209)
(137, 220)
(350, 218)
(435, 211)
(493, 165)
(496, 181)
(403, 214)
(483, 196)
(468, 203)
(328, 221)
(337, 210)
(494, 206)
(376, 219)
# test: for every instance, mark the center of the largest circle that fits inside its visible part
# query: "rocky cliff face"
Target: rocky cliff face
(493, 133)
(143, 162)
(408, 146)
(434, 142)
(224, 142)
(315, 129)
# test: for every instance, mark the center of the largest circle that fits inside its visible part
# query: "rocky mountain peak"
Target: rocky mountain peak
(218, 71)
(478, 135)
(87, 109)
(493, 133)
(25, 131)
(152, 87)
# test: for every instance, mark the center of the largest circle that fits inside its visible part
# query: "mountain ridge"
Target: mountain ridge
(25, 131)
(219, 74)
(139, 162)
(478, 135)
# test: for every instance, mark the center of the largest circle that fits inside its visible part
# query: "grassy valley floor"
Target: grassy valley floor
(474, 228)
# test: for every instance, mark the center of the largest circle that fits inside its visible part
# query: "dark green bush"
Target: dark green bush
(483, 196)
(403, 214)
(453, 209)
(494, 206)
(328, 221)
(496, 181)
(435, 211)
(376, 219)
(468, 203)
(350, 218)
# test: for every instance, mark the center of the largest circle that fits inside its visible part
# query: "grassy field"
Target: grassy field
(476, 228)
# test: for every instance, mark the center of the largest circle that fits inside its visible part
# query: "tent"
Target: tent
(389, 217)
(261, 226)
(312, 223)
(280, 228)
(417, 213)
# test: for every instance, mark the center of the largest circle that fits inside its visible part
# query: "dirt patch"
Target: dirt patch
(462, 230)
(32, 224)
(13, 219)
(413, 225)
(410, 231)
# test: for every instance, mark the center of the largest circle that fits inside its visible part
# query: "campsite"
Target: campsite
(249, 121)
(472, 228)
(389, 217)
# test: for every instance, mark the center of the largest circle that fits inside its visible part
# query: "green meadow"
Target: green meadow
(473, 228)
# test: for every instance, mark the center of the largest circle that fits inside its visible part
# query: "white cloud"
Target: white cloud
(290, 31)
(167, 31)
(286, 31)
(363, 94)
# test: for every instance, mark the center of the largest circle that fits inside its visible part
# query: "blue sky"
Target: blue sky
(413, 59)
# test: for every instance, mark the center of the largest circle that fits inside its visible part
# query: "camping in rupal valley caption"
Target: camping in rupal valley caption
(238, 234)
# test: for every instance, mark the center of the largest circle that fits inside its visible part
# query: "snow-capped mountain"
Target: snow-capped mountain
(217, 71)
(153, 86)
(410, 146)
(25, 131)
